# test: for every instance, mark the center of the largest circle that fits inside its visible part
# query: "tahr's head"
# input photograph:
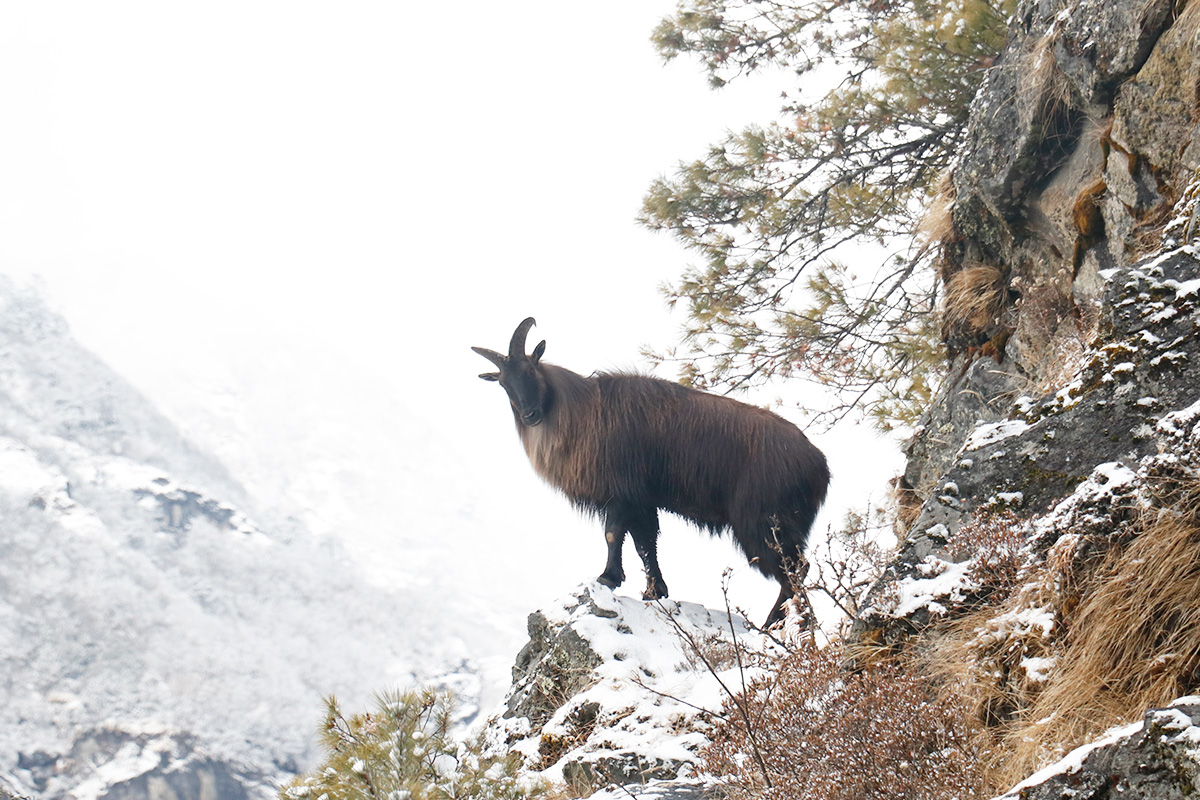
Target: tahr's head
(521, 376)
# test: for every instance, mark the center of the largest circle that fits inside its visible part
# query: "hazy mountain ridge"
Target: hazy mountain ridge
(141, 586)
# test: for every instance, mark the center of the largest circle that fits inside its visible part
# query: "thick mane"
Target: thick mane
(569, 429)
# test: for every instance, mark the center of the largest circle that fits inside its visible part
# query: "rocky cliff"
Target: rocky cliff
(1049, 560)
(1068, 429)
(613, 691)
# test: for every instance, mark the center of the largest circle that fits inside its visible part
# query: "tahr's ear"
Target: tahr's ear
(536, 355)
(490, 376)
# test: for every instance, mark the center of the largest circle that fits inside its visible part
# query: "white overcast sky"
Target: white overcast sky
(286, 222)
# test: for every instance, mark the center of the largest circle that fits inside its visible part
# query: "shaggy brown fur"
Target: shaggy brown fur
(625, 446)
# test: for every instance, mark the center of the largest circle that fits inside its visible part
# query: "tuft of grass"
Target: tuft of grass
(1132, 643)
(974, 300)
(935, 231)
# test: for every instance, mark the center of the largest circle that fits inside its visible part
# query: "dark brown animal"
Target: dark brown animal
(624, 446)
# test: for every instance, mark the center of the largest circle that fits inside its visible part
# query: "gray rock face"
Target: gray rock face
(1044, 448)
(1150, 365)
(1081, 142)
(1079, 185)
(982, 394)
(552, 667)
(1157, 759)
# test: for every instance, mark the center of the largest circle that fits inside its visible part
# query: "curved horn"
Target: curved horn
(516, 348)
(490, 355)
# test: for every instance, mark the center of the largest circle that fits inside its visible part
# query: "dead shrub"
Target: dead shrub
(996, 545)
(847, 561)
(820, 731)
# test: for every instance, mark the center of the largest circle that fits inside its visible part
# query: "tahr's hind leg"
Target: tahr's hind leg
(644, 530)
(777, 611)
(791, 583)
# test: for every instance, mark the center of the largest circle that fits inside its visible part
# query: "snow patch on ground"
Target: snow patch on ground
(944, 581)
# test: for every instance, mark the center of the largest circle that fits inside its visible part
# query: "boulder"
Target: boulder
(611, 690)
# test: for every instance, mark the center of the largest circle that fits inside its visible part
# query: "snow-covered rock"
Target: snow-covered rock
(613, 690)
(1157, 758)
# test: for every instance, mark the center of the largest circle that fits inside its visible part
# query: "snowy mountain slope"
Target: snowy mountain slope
(141, 585)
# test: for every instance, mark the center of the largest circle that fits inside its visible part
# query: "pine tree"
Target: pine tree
(404, 750)
(772, 211)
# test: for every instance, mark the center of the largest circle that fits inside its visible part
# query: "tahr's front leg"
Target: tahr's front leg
(613, 575)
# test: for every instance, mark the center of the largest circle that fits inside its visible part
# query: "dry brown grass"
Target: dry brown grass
(974, 299)
(1100, 632)
(1057, 331)
(983, 655)
(936, 228)
(1187, 22)
(1045, 89)
(1133, 643)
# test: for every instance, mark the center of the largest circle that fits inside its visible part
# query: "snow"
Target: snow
(1186, 288)
(947, 580)
(1172, 356)
(1018, 623)
(993, 432)
(1153, 267)
(1166, 313)
(1177, 422)
(1097, 491)
(1009, 498)
(658, 790)
(129, 762)
(1037, 668)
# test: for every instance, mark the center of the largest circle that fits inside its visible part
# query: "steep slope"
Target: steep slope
(1049, 560)
(154, 624)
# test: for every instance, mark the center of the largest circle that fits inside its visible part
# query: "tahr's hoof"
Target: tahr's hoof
(775, 618)
(656, 589)
(611, 581)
